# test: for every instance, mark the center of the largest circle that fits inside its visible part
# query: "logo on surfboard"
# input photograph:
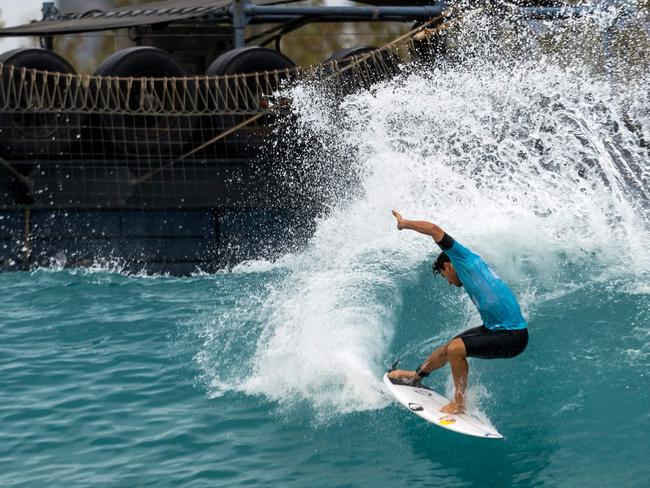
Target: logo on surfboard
(447, 420)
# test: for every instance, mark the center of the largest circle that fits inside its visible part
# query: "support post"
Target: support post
(48, 10)
(239, 21)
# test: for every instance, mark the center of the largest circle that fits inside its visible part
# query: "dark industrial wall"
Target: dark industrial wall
(174, 241)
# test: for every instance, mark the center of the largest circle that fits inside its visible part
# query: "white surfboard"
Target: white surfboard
(426, 403)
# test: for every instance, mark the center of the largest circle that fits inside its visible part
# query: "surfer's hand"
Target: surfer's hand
(400, 219)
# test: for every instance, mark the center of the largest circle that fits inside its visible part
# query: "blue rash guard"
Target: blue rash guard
(494, 300)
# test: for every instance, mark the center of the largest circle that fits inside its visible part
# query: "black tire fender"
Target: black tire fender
(33, 135)
(155, 135)
(377, 67)
(246, 141)
(250, 59)
(349, 53)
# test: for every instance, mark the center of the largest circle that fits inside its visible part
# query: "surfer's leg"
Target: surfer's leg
(457, 356)
(436, 360)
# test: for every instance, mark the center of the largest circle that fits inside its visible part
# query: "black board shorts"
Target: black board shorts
(481, 342)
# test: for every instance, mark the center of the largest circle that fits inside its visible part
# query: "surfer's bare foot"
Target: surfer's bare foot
(404, 377)
(399, 218)
(453, 408)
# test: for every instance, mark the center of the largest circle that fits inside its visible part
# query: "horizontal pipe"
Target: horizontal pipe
(252, 11)
(273, 14)
(281, 19)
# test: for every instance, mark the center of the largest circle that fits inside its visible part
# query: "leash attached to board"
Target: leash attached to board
(394, 366)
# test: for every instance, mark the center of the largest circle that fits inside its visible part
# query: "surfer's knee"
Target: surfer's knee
(456, 349)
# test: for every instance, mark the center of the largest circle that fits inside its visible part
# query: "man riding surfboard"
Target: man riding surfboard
(504, 333)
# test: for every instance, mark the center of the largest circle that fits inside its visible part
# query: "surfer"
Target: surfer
(504, 333)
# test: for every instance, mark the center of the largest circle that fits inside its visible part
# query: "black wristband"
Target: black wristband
(420, 373)
(446, 242)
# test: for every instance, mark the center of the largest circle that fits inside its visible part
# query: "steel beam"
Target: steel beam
(371, 13)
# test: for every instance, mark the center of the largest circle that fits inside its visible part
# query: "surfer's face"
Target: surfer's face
(450, 275)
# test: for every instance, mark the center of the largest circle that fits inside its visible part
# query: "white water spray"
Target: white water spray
(538, 168)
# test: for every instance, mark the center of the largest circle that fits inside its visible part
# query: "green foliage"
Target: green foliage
(87, 51)
(315, 42)
(310, 44)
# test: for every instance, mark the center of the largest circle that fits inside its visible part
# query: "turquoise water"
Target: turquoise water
(270, 374)
(102, 385)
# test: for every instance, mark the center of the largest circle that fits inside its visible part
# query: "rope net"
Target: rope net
(69, 140)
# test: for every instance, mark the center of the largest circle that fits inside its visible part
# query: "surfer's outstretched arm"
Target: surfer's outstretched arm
(421, 226)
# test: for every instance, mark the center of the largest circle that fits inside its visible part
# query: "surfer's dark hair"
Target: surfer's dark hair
(438, 264)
